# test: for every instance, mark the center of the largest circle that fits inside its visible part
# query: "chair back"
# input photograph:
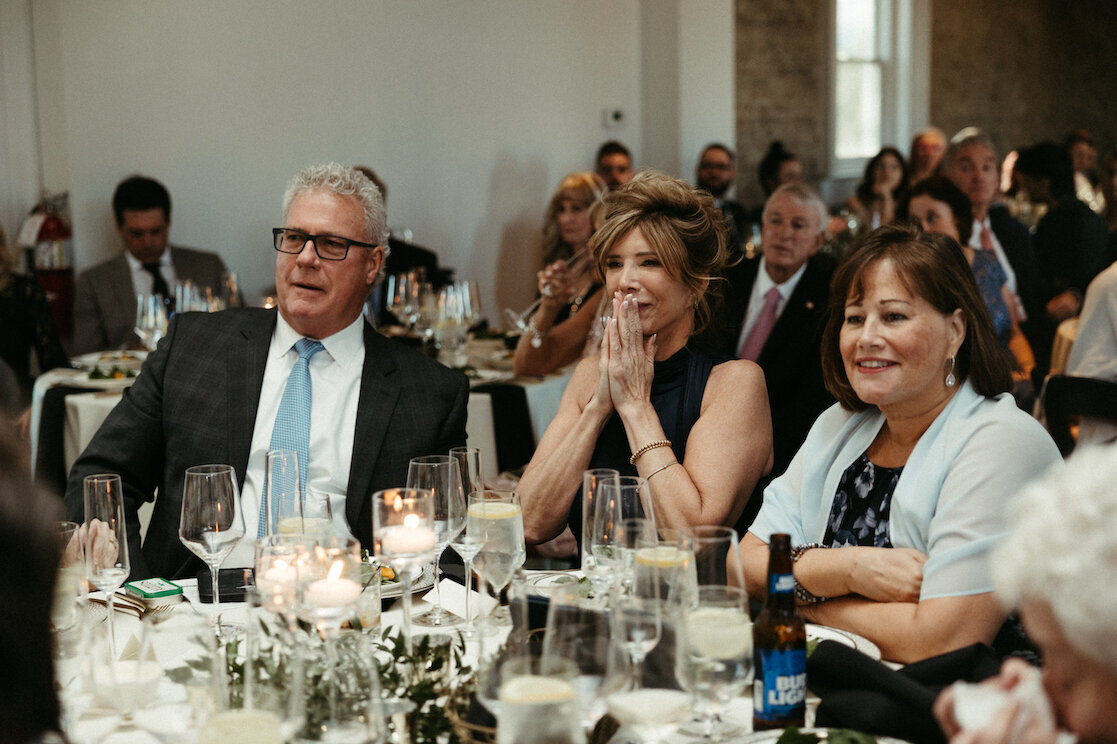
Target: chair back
(1065, 397)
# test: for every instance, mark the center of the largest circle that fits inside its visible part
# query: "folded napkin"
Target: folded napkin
(453, 599)
(861, 693)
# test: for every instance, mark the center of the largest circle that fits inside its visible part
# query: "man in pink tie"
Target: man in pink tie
(773, 315)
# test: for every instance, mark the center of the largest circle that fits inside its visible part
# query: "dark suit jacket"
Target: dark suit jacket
(105, 301)
(195, 402)
(791, 357)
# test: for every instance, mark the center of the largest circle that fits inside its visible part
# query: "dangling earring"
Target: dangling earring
(950, 379)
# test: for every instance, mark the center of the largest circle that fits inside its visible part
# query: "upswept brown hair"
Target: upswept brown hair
(585, 188)
(933, 267)
(682, 225)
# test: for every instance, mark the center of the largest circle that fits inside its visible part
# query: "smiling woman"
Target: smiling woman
(909, 475)
(653, 403)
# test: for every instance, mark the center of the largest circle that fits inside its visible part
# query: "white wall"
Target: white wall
(471, 112)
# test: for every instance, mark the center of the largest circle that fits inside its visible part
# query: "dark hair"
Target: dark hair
(865, 187)
(933, 267)
(941, 188)
(719, 146)
(680, 223)
(612, 147)
(1048, 160)
(29, 560)
(769, 169)
(1078, 135)
(140, 193)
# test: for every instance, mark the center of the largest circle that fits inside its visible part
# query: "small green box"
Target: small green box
(154, 592)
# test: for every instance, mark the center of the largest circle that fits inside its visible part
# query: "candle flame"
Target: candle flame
(397, 503)
(335, 571)
(411, 521)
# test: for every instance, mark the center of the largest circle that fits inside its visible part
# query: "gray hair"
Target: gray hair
(1062, 549)
(964, 138)
(804, 196)
(344, 181)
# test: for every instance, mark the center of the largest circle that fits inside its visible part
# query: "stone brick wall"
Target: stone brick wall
(1024, 70)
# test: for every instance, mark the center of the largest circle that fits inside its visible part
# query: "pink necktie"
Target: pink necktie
(763, 328)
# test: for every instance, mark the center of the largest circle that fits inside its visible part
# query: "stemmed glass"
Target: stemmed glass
(717, 557)
(576, 267)
(467, 545)
(581, 634)
(211, 526)
(329, 584)
(440, 475)
(106, 540)
(715, 656)
(452, 322)
(630, 496)
(404, 296)
(403, 531)
(496, 518)
(471, 300)
(151, 320)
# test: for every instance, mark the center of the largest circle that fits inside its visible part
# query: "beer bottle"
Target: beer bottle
(780, 643)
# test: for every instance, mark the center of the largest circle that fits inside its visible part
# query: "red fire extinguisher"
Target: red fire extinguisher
(52, 251)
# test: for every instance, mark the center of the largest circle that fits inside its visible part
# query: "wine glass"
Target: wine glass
(717, 557)
(211, 525)
(471, 300)
(440, 475)
(451, 323)
(496, 518)
(591, 479)
(715, 656)
(630, 496)
(282, 495)
(576, 268)
(404, 536)
(537, 699)
(151, 320)
(581, 634)
(318, 514)
(467, 545)
(106, 540)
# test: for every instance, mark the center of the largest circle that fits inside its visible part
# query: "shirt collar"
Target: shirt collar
(135, 265)
(344, 347)
(764, 281)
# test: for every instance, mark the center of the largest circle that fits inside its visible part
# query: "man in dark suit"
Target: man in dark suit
(214, 390)
(105, 298)
(717, 167)
(791, 266)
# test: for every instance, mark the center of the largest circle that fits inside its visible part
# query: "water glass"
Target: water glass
(591, 480)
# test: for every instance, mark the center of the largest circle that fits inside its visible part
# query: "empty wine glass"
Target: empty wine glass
(471, 300)
(451, 325)
(106, 540)
(467, 545)
(404, 536)
(717, 557)
(211, 525)
(496, 518)
(151, 320)
(630, 496)
(440, 475)
(403, 295)
(714, 642)
(576, 268)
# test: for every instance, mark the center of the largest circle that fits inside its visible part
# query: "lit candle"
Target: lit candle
(332, 592)
(408, 539)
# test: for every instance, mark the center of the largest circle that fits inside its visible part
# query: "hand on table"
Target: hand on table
(888, 574)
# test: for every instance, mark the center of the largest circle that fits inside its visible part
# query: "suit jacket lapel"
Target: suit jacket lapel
(802, 308)
(380, 391)
(244, 365)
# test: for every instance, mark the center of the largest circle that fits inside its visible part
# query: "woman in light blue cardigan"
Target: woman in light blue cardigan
(910, 473)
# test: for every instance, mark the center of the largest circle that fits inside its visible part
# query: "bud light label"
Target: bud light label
(782, 584)
(781, 684)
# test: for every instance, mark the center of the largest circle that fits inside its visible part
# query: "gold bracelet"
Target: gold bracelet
(649, 446)
(648, 477)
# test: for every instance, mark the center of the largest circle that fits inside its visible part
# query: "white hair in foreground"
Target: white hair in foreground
(1062, 549)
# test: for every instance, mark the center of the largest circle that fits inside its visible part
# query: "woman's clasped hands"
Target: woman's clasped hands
(627, 361)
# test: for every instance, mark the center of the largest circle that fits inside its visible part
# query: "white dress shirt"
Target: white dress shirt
(142, 280)
(335, 380)
(760, 289)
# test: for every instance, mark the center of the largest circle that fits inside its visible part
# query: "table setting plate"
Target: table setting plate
(106, 360)
(422, 578)
(845, 637)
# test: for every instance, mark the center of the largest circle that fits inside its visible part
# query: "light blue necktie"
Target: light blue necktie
(292, 422)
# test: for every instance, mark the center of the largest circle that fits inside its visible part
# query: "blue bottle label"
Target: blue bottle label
(781, 684)
(782, 584)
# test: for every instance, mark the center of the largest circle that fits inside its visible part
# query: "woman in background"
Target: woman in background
(883, 183)
(569, 288)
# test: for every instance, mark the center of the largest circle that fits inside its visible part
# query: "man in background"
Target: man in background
(105, 298)
(614, 164)
(717, 167)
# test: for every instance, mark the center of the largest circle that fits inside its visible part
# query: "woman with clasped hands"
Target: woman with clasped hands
(699, 426)
(908, 476)
(1058, 566)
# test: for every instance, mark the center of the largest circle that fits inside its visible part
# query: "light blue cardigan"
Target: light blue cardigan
(950, 502)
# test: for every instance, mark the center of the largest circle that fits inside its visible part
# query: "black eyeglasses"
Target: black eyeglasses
(328, 247)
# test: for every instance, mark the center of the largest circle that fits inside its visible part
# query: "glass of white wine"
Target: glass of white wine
(495, 517)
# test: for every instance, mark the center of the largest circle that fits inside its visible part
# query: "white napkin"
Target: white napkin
(975, 705)
(453, 599)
